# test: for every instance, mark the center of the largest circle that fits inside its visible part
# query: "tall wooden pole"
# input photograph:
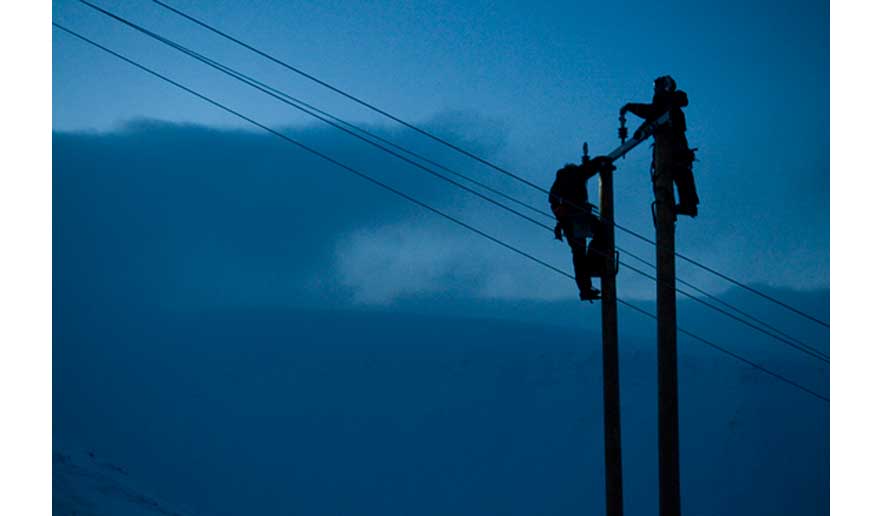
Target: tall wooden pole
(609, 314)
(668, 411)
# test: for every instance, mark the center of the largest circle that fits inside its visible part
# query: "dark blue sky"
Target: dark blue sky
(210, 280)
(525, 83)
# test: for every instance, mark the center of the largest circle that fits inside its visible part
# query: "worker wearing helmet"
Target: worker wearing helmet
(672, 156)
(575, 221)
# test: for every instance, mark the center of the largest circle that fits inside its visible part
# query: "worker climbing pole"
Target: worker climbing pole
(671, 165)
(576, 220)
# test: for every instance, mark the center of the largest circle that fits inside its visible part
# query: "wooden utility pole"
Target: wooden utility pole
(609, 314)
(668, 411)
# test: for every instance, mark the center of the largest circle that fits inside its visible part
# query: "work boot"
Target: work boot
(590, 295)
(688, 210)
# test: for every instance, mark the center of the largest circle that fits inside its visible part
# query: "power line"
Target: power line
(413, 199)
(805, 348)
(731, 280)
(783, 337)
(305, 108)
(276, 94)
(313, 151)
(731, 354)
(462, 151)
(347, 95)
(707, 294)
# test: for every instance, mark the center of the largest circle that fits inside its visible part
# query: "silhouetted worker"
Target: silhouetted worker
(575, 221)
(671, 154)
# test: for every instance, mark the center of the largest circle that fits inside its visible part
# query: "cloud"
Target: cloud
(383, 264)
(424, 257)
(183, 213)
(166, 213)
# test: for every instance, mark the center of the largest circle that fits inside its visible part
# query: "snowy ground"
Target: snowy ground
(83, 484)
(262, 412)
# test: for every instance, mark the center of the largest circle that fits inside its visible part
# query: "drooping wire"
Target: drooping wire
(331, 120)
(731, 354)
(730, 279)
(729, 305)
(310, 150)
(260, 86)
(790, 341)
(344, 94)
(414, 200)
(466, 152)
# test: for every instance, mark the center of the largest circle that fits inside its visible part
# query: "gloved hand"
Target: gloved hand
(642, 131)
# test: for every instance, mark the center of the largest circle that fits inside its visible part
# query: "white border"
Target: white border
(854, 224)
(26, 266)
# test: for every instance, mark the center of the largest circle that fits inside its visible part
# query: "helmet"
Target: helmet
(665, 83)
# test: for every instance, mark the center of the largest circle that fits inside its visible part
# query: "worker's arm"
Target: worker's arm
(555, 199)
(556, 202)
(591, 167)
(644, 111)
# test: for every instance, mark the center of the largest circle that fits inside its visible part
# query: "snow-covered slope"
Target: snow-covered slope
(83, 484)
(279, 412)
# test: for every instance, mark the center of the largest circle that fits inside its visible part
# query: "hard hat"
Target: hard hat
(665, 83)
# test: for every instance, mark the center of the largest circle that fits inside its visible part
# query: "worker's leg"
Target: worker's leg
(598, 249)
(679, 159)
(672, 160)
(580, 263)
(685, 182)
